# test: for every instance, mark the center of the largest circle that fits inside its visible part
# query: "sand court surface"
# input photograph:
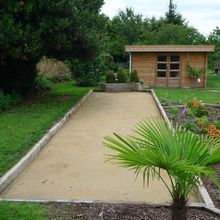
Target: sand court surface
(72, 165)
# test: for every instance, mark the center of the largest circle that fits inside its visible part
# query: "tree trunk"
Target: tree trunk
(179, 209)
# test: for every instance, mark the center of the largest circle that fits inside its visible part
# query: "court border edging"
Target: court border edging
(7, 178)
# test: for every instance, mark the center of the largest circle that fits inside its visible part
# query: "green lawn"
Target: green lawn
(211, 94)
(22, 211)
(23, 125)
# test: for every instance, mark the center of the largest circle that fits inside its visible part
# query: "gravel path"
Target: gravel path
(72, 165)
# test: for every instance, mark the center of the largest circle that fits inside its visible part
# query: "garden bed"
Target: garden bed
(175, 114)
(120, 211)
(176, 117)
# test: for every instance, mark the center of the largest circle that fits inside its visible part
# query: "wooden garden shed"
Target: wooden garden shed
(168, 65)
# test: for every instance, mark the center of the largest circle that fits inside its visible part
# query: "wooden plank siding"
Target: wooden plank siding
(146, 65)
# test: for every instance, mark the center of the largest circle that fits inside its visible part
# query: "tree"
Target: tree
(125, 28)
(184, 156)
(172, 16)
(214, 38)
(173, 34)
(61, 29)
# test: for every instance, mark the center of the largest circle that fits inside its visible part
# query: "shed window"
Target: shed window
(168, 65)
(161, 66)
(162, 58)
(174, 66)
(161, 74)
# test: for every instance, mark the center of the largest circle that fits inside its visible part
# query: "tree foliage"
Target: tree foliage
(31, 29)
(172, 16)
(214, 38)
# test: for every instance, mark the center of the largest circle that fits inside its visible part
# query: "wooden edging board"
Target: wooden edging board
(34, 151)
(204, 193)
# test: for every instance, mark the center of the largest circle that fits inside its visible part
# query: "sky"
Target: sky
(204, 15)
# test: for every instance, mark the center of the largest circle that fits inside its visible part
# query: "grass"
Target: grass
(22, 211)
(22, 126)
(211, 94)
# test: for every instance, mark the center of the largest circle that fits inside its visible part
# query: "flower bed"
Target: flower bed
(197, 117)
(201, 119)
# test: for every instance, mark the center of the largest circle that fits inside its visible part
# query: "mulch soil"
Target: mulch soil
(69, 211)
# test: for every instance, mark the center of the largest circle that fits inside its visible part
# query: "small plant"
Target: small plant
(142, 82)
(122, 76)
(165, 101)
(6, 101)
(110, 77)
(194, 103)
(189, 112)
(191, 125)
(209, 129)
(174, 111)
(217, 124)
(42, 82)
(194, 73)
(197, 107)
(134, 78)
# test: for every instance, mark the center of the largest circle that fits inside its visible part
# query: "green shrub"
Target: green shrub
(174, 110)
(6, 101)
(193, 126)
(122, 76)
(189, 112)
(197, 107)
(87, 73)
(54, 69)
(110, 77)
(42, 82)
(134, 78)
(217, 124)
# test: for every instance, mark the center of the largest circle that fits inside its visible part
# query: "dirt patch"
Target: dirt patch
(121, 212)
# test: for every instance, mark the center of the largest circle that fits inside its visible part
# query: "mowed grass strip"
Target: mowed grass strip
(22, 211)
(22, 126)
(210, 94)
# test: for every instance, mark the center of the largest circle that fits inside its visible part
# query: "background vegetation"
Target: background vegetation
(89, 42)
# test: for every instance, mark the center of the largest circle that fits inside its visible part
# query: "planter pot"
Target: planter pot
(122, 87)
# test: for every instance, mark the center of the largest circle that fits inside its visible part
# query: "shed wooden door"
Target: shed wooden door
(168, 70)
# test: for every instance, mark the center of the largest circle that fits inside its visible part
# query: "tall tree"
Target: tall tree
(125, 28)
(214, 38)
(33, 28)
(172, 16)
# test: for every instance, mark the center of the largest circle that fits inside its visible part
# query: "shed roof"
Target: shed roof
(169, 48)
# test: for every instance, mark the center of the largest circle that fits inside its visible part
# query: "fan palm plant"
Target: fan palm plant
(186, 157)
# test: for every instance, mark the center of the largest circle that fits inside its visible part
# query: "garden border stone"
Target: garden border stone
(34, 151)
(204, 193)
